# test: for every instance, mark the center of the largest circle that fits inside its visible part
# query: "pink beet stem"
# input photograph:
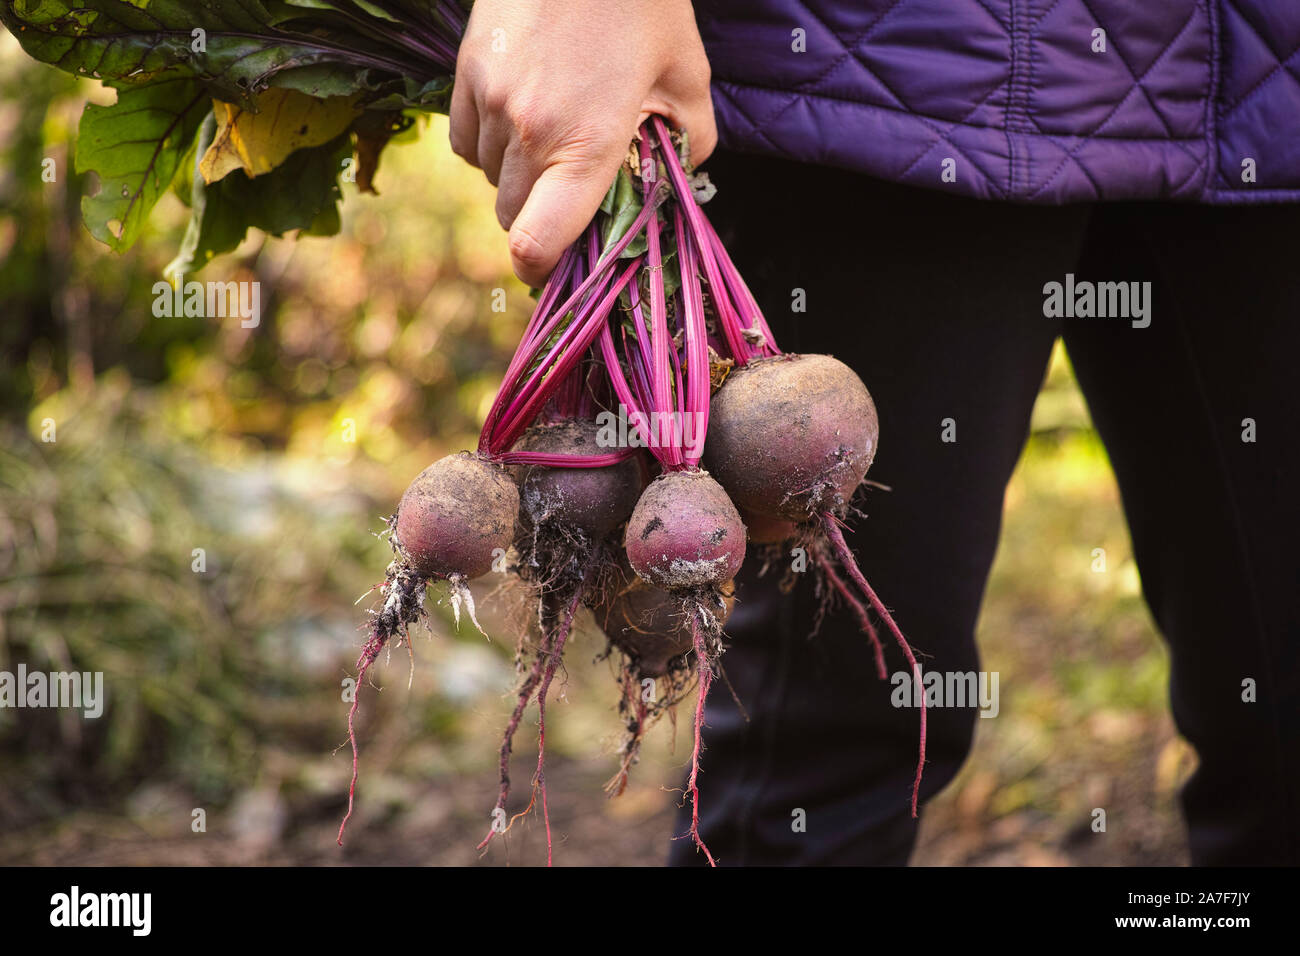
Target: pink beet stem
(511, 394)
(723, 278)
(831, 525)
(686, 200)
(639, 323)
(659, 336)
(564, 461)
(639, 385)
(677, 405)
(561, 280)
(737, 287)
(622, 390)
(695, 403)
(581, 333)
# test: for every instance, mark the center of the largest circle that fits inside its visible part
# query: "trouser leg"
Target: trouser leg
(1214, 518)
(936, 302)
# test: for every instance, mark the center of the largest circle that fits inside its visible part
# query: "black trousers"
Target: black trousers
(938, 303)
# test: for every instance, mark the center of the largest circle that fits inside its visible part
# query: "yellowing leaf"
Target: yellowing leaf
(258, 142)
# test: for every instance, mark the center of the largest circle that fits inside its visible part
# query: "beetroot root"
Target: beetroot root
(454, 517)
(648, 624)
(792, 436)
(685, 534)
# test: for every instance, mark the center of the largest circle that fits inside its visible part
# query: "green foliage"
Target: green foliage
(622, 204)
(235, 48)
(136, 146)
(301, 193)
(168, 59)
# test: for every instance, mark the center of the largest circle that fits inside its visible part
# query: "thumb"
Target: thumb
(559, 207)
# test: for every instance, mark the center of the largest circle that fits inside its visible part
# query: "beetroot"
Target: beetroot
(593, 501)
(565, 516)
(647, 623)
(789, 440)
(686, 537)
(456, 517)
(766, 530)
(792, 437)
(453, 521)
(611, 331)
(685, 534)
(656, 631)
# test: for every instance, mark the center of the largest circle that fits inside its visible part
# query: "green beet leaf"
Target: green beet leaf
(135, 147)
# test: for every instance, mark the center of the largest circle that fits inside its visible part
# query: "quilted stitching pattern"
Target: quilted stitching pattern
(1258, 116)
(1013, 94)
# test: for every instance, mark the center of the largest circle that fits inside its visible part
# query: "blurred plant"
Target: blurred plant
(365, 338)
(163, 433)
(126, 553)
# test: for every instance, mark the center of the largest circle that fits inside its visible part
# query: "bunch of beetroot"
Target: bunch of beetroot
(645, 411)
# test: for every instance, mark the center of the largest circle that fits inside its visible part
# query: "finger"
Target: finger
(519, 171)
(683, 97)
(464, 119)
(495, 132)
(559, 206)
(701, 130)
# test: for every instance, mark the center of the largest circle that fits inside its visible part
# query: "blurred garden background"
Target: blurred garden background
(276, 450)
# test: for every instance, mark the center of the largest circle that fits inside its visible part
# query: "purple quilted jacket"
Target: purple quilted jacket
(1031, 100)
